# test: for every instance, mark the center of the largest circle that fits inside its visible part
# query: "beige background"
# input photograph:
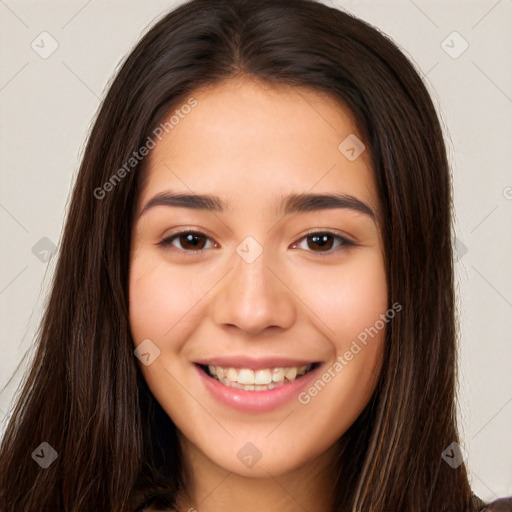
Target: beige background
(48, 105)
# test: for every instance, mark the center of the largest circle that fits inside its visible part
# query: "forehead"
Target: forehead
(253, 141)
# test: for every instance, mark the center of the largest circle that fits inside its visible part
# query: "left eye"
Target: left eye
(325, 240)
(193, 241)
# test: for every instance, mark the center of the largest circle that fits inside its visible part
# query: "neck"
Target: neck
(210, 488)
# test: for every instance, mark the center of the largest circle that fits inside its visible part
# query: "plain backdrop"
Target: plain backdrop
(462, 49)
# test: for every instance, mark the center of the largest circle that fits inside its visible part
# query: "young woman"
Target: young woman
(253, 306)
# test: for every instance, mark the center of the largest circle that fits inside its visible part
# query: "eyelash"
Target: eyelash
(344, 242)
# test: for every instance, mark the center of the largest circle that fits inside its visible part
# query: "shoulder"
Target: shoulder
(499, 505)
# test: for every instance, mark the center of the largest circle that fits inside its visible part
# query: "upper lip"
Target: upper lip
(253, 363)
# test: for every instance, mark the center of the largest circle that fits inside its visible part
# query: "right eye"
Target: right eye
(189, 241)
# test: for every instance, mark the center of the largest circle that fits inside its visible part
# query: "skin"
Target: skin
(249, 143)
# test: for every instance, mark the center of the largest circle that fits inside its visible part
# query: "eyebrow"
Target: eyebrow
(293, 203)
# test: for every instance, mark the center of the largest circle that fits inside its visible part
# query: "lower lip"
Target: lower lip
(256, 401)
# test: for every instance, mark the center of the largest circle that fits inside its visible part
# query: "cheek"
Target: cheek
(164, 308)
(351, 307)
(351, 303)
(347, 298)
(161, 296)
(149, 300)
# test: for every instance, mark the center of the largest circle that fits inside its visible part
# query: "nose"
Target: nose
(254, 296)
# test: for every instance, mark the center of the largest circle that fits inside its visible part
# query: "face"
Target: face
(263, 314)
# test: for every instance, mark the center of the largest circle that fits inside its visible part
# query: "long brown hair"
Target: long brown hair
(85, 395)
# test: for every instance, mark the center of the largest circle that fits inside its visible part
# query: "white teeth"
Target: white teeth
(231, 374)
(257, 380)
(291, 373)
(262, 377)
(245, 376)
(278, 375)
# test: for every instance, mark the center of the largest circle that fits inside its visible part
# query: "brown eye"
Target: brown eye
(324, 242)
(190, 241)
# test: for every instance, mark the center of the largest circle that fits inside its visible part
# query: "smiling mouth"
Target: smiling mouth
(263, 379)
